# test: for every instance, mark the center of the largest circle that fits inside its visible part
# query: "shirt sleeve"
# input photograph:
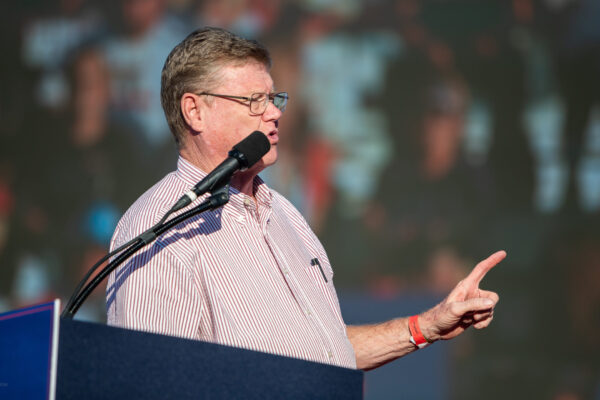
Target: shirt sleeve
(155, 292)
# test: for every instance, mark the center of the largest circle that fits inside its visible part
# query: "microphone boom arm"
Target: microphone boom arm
(218, 199)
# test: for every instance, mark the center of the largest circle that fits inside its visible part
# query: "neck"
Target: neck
(244, 182)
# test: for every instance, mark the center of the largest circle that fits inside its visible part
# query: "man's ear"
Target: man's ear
(191, 111)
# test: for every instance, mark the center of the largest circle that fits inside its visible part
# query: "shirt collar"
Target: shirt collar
(191, 175)
(188, 172)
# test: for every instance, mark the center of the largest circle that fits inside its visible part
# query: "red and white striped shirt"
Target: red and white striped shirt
(242, 276)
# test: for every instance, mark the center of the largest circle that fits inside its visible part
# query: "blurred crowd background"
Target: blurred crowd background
(420, 137)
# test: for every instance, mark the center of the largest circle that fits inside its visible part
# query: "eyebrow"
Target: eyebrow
(273, 90)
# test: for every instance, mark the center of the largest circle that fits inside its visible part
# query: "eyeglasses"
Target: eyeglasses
(258, 102)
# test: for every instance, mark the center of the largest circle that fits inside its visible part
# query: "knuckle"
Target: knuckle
(455, 309)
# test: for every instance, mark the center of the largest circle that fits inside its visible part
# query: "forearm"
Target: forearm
(467, 305)
(378, 344)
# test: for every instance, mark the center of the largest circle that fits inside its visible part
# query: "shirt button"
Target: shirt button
(330, 354)
(308, 313)
(247, 201)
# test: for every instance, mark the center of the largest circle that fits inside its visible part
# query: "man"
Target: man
(252, 274)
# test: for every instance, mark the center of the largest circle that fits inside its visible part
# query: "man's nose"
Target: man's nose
(272, 112)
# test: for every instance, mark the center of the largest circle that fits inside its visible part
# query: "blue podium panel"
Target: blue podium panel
(98, 362)
(28, 352)
(403, 378)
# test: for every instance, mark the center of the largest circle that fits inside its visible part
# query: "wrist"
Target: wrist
(428, 328)
(417, 336)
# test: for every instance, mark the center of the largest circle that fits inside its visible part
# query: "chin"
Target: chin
(269, 159)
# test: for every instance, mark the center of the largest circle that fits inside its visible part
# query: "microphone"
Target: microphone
(241, 157)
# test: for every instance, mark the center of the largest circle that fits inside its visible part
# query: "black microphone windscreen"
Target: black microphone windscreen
(254, 147)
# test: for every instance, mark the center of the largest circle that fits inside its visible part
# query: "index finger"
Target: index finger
(484, 266)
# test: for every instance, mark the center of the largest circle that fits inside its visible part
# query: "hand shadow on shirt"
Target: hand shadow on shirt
(207, 223)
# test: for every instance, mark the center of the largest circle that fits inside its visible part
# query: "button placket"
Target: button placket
(304, 302)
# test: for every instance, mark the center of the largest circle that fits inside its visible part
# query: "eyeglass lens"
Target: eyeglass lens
(259, 101)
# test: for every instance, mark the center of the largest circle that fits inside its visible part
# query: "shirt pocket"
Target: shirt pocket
(321, 275)
(318, 271)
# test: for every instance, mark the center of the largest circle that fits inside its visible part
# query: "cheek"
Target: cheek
(239, 125)
(229, 125)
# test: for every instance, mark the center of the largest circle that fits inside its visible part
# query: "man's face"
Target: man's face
(228, 121)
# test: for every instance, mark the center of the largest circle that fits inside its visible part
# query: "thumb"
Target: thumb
(460, 308)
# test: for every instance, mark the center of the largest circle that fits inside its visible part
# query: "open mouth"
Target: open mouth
(273, 136)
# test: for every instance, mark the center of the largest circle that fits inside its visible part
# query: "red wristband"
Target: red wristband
(417, 338)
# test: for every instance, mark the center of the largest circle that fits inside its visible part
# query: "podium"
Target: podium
(96, 361)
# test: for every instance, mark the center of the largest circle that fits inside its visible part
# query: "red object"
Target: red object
(415, 331)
